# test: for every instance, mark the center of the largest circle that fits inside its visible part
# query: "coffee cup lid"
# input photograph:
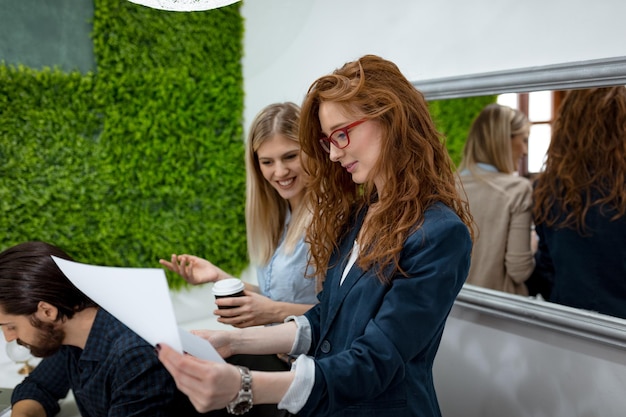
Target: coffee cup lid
(228, 286)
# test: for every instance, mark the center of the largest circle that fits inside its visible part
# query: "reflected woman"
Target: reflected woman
(499, 200)
(580, 203)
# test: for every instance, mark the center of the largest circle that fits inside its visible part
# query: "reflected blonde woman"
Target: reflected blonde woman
(500, 201)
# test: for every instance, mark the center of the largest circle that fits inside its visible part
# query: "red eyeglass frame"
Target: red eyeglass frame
(326, 141)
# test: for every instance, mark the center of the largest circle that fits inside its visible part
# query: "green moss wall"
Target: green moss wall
(142, 157)
(454, 117)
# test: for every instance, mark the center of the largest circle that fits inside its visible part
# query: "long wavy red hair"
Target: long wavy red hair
(414, 162)
(586, 159)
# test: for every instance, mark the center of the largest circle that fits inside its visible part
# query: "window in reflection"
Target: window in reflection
(538, 143)
(453, 117)
(509, 99)
(540, 107)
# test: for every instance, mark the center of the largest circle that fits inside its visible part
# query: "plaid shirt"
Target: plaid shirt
(117, 374)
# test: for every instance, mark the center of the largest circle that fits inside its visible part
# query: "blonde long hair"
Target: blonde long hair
(489, 138)
(266, 210)
(413, 160)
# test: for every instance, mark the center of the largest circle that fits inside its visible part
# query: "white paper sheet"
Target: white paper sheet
(139, 298)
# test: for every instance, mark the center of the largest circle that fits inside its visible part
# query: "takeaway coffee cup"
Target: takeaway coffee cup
(229, 287)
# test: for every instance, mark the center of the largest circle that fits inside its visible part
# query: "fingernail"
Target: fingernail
(158, 347)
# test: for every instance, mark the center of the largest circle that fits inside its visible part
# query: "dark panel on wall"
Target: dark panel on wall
(47, 33)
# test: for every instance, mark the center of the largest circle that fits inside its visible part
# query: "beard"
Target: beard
(49, 339)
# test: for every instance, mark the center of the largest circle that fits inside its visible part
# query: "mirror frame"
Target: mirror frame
(582, 74)
(575, 322)
(572, 75)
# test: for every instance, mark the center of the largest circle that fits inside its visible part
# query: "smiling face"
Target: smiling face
(42, 339)
(360, 156)
(279, 161)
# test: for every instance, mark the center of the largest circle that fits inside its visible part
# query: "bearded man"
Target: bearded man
(110, 369)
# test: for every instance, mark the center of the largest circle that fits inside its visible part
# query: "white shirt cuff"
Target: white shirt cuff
(302, 342)
(301, 386)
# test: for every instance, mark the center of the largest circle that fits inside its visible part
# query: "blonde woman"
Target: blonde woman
(500, 201)
(276, 220)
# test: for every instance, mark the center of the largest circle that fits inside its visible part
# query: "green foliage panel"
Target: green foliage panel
(143, 158)
(454, 118)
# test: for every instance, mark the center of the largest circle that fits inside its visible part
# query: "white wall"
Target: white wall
(289, 43)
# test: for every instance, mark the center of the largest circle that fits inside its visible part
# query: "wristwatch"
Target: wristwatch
(243, 403)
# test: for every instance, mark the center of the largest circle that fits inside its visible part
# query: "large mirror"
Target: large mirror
(505, 354)
(574, 75)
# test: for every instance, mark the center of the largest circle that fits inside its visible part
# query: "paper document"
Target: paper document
(139, 298)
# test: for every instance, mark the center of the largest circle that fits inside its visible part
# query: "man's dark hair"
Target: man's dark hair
(29, 275)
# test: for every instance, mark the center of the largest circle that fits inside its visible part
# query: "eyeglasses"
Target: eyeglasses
(339, 137)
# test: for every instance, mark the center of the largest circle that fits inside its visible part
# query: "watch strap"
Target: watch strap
(243, 402)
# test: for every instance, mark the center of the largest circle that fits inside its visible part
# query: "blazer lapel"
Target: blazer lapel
(339, 291)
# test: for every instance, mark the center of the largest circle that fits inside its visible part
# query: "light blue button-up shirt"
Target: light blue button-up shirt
(282, 279)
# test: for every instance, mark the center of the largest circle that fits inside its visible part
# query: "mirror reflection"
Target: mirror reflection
(455, 116)
(499, 200)
(577, 257)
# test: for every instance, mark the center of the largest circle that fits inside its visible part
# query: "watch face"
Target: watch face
(243, 406)
(240, 408)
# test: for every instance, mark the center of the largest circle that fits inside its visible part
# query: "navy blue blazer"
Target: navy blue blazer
(374, 344)
(587, 270)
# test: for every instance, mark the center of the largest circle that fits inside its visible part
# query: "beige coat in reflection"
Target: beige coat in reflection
(501, 205)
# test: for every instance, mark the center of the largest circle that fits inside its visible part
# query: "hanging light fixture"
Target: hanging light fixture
(184, 5)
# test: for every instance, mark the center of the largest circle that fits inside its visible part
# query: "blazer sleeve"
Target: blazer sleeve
(518, 258)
